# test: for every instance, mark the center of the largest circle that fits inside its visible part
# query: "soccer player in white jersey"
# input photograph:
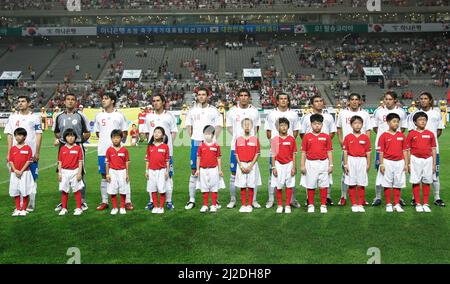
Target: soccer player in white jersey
(25, 118)
(282, 110)
(105, 122)
(380, 126)
(344, 128)
(162, 118)
(234, 119)
(199, 116)
(435, 125)
(328, 127)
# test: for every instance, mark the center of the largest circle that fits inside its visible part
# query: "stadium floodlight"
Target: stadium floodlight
(73, 5)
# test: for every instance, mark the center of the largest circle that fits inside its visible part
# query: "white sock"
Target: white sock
(232, 188)
(436, 189)
(103, 190)
(128, 197)
(255, 190)
(344, 188)
(169, 190)
(293, 197)
(378, 191)
(32, 202)
(151, 198)
(192, 188)
(329, 192)
(271, 191)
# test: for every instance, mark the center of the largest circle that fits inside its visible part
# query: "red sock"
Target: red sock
(64, 198)
(244, 196)
(323, 196)
(311, 194)
(17, 199)
(162, 199)
(426, 192)
(387, 194)
(416, 193)
(205, 198)
(155, 199)
(279, 197)
(288, 196)
(396, 196)
(122, 200)
(251, 193)
(361, 195)
(352, 194)
(114, 200)
(25, 202)
(78, 198)
(214, 198)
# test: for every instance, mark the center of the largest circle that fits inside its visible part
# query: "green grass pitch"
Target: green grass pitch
(226, 237)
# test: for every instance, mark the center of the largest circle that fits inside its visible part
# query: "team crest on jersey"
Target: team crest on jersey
(74, 121)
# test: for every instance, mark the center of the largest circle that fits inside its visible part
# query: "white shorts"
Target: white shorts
(421, 170)
(317, 175)
(22, 186)
(394, 174)
(357, 172)
(251, 180)
(141, 128)
(209, 180)
(157, 182)
(284, 177)
(118, 184)
(69, 181)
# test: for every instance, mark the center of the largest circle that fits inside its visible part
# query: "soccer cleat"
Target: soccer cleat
(361, 209)
(279, 209)
(376, 202)
(114, 211)
(122, 211)
(330, 201)
(243, 209)
(84, 206)
(129, 206)
(23, 213)
(295, 204)
(310, 208)
(269, 204)
(426, 208)
(170, 206)
(189, 205)
(102, 206)
(323, 209)
(365, 203)
(256, 205)
(78, 212)
(440, 203)
(413, 202)
(15, 213)
(149, 206)
(249, 209)
(389, 208)
(402, 203)
(58, 207)
(231, 205)
(213, 209)
(355, 209)
(204, 209)
(287, 210)
(155, 210)
(342, 201)
(398, 208)
(63, 212)
(30, 208)
(419, 208)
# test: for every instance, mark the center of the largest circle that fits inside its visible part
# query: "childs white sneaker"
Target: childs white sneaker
(323, 209)
(256, 205)
(15, 213)
(204, 209)
(78, 212)
(161, 210)
(279, 209)
(250, 208)
(269, 204)
(122, 211)
(114, 211)
(355, 208)
(23, 213)
(361, 209)
(389, 208)
(398, 208)
(310, 208)
(155, 210)
(213, 209)
(426, 208)
(243, 209)
(287, 210)
(419, 208)
(231, 205)
(63, 212)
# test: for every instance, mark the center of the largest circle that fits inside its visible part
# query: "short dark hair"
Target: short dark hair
(70, 132)
(418, 115)
(355, 118)
(245, 119)
(428, 94)
(116, 132)
(70, 95)
(27, 98)
(134, 124)
(391, 116)
(392, 94)
(311, 100)
(209, 129)
(244, 90)
(165, 138)
(283, 94)
(20, 131)
(203, 89)
(112, 96)
(282, 120)
(161, 96)
(316, 118)
(358, 96)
